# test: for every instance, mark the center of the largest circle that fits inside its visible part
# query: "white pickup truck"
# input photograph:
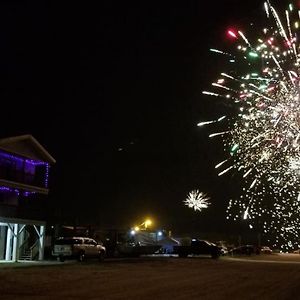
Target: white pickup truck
(78, 247)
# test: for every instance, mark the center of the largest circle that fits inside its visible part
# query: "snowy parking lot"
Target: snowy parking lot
(153, 278)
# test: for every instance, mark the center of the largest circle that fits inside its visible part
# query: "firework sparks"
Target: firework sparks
(263, 139)
(197, 200)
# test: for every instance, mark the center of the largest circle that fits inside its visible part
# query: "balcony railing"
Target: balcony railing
(38, 179)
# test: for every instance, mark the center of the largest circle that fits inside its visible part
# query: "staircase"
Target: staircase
(30, 244)
(26, 255)
(29, 254)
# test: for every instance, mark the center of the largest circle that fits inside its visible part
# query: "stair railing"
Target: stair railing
(23, 248)
(34, 250)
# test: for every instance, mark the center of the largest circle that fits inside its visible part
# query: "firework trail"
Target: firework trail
(262, 140)
(197, 200)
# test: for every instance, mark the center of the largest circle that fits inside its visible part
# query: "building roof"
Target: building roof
(26, 146)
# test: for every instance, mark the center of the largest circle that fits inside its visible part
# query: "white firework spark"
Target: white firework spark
(197, 200)
(263, 138)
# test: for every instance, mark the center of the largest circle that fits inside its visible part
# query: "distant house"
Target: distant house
(24, 171)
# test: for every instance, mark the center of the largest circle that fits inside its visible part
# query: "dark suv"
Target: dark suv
(198, 247)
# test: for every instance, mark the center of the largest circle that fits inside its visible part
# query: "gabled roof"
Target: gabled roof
(26, 146)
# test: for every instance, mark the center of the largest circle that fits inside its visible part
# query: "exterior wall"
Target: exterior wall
(31, 207)
(3, 233)
(7, 198)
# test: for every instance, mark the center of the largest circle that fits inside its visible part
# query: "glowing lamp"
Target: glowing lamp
(148, 223)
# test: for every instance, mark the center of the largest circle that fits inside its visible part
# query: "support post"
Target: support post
(8, 244)
(15, 254)
(41, 242)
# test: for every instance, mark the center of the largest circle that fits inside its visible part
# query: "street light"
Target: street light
(143, 226)
(147, 223)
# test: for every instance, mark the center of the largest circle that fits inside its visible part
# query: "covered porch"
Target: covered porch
(21, 240)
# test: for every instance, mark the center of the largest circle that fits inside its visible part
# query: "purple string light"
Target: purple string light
(28, 161)
(16, 191)
(47, 175)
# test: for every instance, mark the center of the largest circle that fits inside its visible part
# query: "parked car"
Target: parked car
(223, 247)
(224, 250)
(78, 248)
(266, 250)
(198, 247)
(243, 250)
(125, 244)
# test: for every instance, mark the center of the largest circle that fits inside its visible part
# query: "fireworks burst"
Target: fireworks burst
(197, 200)
(263, 139)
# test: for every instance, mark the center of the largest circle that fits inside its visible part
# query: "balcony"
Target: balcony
(39, 178)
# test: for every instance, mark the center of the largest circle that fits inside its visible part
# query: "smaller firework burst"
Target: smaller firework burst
(197, 200)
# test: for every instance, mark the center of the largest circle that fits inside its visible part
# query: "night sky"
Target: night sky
(113, 92)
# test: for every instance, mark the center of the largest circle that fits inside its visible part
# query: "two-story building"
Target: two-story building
(24, 178)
